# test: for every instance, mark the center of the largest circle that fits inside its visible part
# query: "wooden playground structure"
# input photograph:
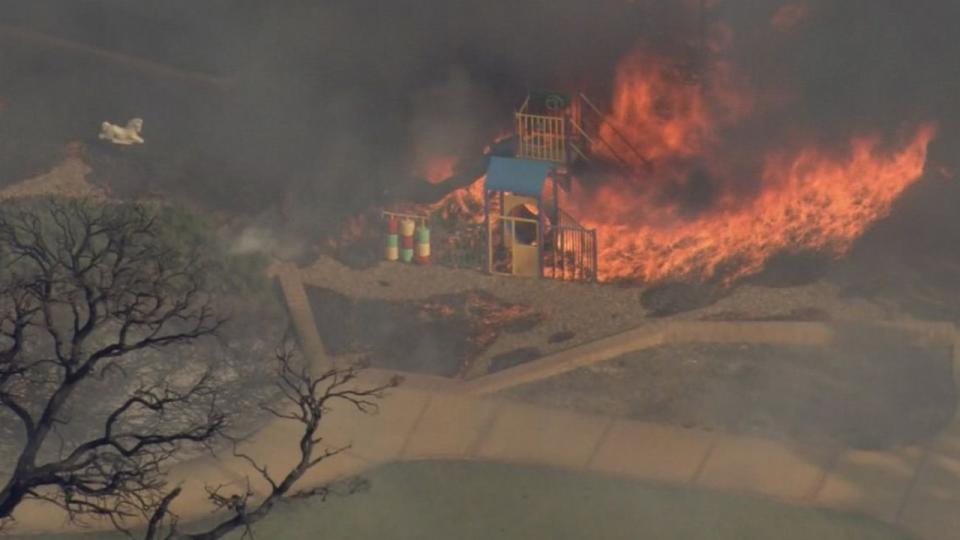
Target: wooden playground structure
(527, 233)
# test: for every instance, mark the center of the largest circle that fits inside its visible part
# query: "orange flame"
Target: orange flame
(809, 201)
(808, 198)
(439, 169)
(653, 109)
(465, 203)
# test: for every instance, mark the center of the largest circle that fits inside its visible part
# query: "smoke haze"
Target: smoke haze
(332, 104)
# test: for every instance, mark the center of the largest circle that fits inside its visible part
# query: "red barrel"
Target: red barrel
(406, 242)
(393, 225)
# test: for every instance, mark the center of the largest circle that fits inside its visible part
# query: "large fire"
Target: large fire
(656, 113)
(667, 126)
(807, 199)
(464, 204)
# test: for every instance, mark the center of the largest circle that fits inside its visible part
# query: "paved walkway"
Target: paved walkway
(917, 487)
(434, 418)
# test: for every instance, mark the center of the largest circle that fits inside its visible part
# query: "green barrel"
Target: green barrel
(423, 235)
(393, 249)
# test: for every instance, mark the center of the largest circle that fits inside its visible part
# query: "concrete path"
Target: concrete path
(432, 418)
(917, 487)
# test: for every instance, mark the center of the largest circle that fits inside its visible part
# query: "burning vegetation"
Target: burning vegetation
(805, 199)
(674, 197)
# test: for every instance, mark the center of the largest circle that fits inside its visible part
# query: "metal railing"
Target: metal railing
(573, 255)
(462, 248)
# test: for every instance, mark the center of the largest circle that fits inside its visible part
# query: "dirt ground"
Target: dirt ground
(440, 335)
(868, 389)
(576, 313)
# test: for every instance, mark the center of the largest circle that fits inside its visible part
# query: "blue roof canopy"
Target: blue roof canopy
(520, 176)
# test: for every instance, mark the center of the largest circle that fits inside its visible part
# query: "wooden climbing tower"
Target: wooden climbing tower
(527, 233)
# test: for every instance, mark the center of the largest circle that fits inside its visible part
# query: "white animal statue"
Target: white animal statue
(123, 135)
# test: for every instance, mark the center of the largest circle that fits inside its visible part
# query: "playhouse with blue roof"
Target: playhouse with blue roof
(527, 233)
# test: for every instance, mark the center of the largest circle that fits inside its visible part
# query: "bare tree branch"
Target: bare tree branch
(82, 288)
(312, 396)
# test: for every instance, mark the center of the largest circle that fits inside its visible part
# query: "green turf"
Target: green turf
(475, 501)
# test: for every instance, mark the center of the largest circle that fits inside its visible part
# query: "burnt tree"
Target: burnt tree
(85, 289)
(307, 398)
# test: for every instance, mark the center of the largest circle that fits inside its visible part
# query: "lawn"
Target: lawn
(467, 501)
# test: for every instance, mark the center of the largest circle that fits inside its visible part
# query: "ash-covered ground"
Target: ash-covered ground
(870, 389)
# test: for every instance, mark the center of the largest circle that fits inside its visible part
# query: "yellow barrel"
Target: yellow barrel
(407, 226)
(423, 250)
(393, 247)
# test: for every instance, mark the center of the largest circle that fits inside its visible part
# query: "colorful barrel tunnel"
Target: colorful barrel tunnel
(407, 240)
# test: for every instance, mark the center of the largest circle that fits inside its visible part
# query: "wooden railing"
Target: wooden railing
(541, 137)
(419, 219)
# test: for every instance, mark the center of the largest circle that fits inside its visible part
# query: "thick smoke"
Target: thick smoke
(331, 104)
(844, 67)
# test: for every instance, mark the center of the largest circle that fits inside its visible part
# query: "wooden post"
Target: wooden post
(555, 228)
(301, 313)
(596, 268)
(488, 262)
(540, 250)
(582, 241)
